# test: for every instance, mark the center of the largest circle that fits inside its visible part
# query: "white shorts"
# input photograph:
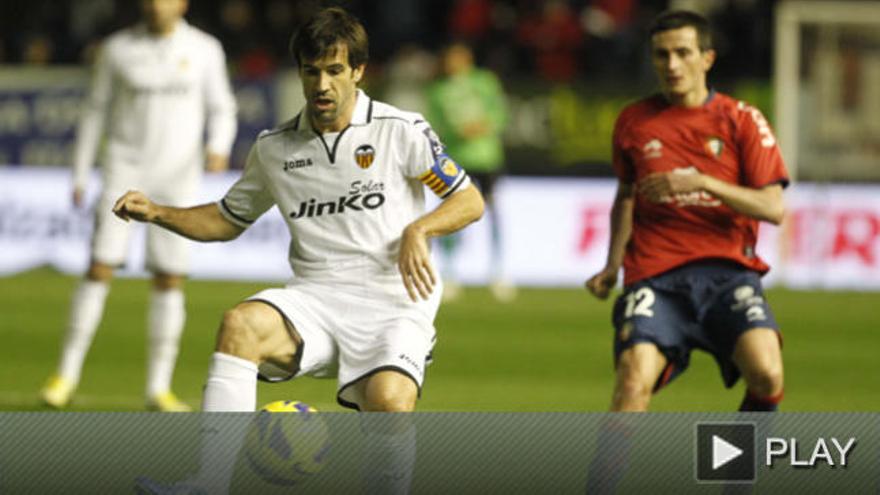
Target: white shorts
(166, 251)
(354, 333)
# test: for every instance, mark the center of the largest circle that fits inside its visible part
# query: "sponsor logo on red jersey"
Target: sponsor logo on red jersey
(653, 149)
(714, 146)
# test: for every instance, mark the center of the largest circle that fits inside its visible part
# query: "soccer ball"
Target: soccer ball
(285, 449)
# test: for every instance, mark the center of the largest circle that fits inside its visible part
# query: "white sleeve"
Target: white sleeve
(249, 197)
(427, 160)
(219, 102)
(92, 117)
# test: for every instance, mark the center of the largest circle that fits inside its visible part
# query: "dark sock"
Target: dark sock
(752, 402)
(611, 459)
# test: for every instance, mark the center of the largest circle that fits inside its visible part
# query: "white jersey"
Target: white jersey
(346, 196)
(158, 92)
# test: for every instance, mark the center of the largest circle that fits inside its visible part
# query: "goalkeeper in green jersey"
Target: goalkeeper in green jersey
(468, 110)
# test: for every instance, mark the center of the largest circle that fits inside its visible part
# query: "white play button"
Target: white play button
(723, 452)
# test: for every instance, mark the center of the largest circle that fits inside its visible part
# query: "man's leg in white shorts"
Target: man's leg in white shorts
(109, 243)
(398, 362)
(251, 333)
(391, 438)
(384, 347)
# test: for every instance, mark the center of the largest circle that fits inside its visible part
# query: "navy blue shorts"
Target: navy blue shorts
(701, 305)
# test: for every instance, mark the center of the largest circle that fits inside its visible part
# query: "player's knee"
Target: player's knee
(165, 281)
(99, 272)
(388, 401)
(765, 381)
(237, 336)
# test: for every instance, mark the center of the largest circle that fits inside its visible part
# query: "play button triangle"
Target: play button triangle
(723, 452)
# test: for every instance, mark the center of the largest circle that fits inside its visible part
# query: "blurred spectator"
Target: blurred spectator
(611, 36)
(500, 53)
(489, 27)
(242, 38)
(407, 73)
(743, 37)
(38, 50)
(283, 17)
(706, 8)
(400, 22)
(88, 19)
(604, 18)
(557, 40)
(470, 20)
(554, 38)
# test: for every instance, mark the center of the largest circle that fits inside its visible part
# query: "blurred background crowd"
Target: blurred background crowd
(555, 40)
(567, 68)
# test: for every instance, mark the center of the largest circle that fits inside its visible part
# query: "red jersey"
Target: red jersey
(726, 139)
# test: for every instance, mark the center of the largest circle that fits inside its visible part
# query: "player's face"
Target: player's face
(330, 86)
(457, 59)
(162, 15)
(680, 65)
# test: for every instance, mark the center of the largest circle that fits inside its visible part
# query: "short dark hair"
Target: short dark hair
(676, 19)
(322, 31)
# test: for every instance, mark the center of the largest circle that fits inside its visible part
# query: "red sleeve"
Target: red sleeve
(623, 167)
(761, 160)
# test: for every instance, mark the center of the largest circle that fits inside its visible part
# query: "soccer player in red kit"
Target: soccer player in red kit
(697, 170)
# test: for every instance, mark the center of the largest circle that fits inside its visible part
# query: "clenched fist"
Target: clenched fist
(136, 206)
(600, 284)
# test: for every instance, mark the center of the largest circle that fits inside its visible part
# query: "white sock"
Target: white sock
(232, 386)
(221, 437)
(165, 324)
(391, 453)
(86, 310)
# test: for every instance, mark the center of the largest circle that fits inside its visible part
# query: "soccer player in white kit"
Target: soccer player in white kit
(348, 174)
(158, 84)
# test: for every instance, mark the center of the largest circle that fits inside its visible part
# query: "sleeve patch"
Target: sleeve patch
(437, 147)
(444, 176)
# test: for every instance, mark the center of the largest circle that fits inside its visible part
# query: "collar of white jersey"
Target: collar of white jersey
(179, 28)
(362, 115)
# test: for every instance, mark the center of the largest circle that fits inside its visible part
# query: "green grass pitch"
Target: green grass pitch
(548, 351)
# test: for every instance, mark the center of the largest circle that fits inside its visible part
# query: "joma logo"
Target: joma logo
(292, 164)
(411, 361)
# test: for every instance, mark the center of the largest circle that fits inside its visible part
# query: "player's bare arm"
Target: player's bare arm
(200, 223)
(600, 284)
(453, 214)
(764, 204)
